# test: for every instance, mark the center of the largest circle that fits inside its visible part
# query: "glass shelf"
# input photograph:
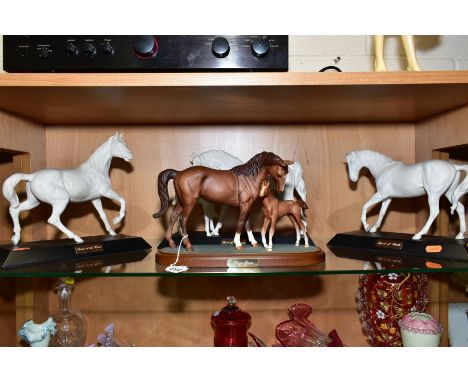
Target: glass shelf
(148, 268)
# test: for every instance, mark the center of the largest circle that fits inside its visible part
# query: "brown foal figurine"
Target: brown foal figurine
(275, 209)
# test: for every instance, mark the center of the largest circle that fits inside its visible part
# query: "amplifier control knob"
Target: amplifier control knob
(145, 47)
(71, 49)
(220, 47)
(89, 49)
(107, 48)
(43, 52)
(260, 47)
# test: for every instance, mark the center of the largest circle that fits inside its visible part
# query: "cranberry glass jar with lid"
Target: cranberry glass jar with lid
(230, 325)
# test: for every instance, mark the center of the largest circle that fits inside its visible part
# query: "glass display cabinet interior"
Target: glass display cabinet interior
(55, 120)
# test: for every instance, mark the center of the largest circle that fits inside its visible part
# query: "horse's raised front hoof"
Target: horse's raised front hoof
(239, 247)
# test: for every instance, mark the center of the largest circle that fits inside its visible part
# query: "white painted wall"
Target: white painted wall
(311, 53)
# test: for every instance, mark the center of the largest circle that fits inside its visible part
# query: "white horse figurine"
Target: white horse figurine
(88, 182)
(221, 160)
(395, 179)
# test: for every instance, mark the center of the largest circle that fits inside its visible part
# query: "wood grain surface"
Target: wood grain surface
(231, 98)
(22, 149)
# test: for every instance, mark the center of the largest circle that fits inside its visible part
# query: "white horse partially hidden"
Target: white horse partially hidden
(88, 182)
(395, 179)
(221, 160)
(295, 182)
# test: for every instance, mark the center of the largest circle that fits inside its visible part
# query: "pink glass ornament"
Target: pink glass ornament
(299, 331)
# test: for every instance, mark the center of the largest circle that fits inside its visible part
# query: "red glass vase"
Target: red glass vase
(383, 299)
(299, 331)
(230, 325)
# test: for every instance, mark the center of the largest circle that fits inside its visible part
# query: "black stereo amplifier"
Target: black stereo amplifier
(144, 53)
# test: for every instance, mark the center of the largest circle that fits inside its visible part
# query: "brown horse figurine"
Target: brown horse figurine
(236, 187)
(275, 209)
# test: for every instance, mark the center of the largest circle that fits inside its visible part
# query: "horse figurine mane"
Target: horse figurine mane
(101, 157)
(253, 166)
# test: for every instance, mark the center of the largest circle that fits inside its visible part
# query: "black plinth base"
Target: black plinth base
(67, 255)
(400, 249)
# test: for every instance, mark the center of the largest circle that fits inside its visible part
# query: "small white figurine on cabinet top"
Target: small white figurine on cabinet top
(88, 182)
(395, 179)
(410, 51)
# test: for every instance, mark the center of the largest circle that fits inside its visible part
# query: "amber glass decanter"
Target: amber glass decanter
(70, 324)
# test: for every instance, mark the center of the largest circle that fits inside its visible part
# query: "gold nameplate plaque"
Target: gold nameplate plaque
(389, 244)
(242, 263)
(88, 248)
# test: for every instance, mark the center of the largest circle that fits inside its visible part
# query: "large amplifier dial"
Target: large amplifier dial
(145, 46)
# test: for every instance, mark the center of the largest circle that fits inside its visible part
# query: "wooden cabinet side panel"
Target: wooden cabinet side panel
(26, 141)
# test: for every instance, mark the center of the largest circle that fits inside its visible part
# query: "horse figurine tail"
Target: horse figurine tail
(461, 189)
(163, 179)
(9, 185)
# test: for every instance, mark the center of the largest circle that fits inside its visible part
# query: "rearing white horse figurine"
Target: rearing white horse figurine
(395, 179)
(88, 182)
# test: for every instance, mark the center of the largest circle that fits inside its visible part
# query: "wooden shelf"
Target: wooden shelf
(231, 98)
